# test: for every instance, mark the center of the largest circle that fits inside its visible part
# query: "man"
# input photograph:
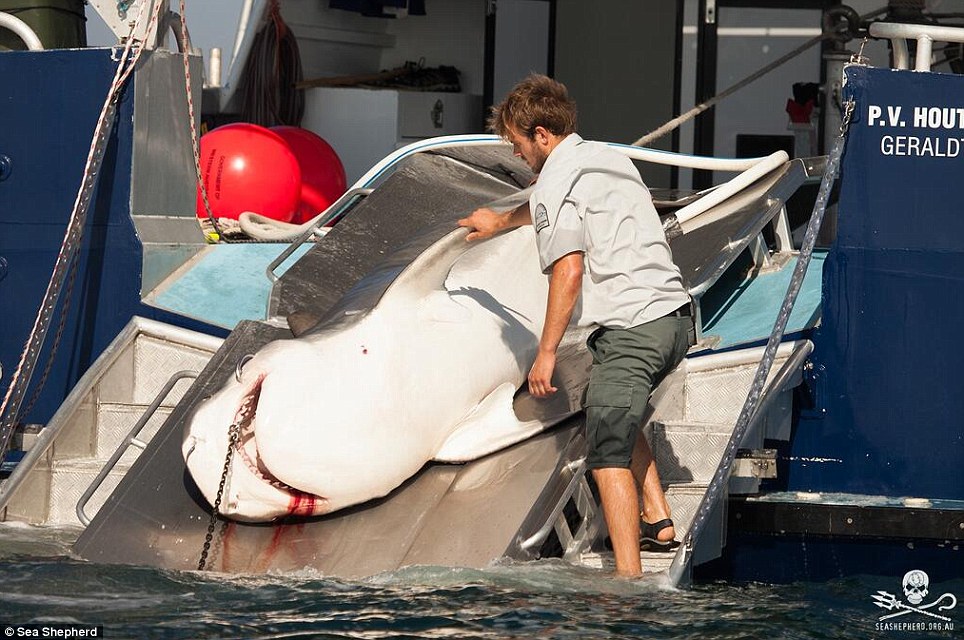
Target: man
(601, 242)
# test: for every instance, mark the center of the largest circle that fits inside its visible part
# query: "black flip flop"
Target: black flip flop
(648, 540)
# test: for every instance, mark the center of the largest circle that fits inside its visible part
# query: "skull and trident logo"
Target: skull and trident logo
(916, 585)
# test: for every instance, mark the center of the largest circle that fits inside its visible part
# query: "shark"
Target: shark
(430, 370)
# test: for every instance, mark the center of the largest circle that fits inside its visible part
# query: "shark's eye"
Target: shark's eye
(240, 366)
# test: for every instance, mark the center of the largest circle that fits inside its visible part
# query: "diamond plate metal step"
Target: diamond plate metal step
(684, 500)
(96, 418)
(68, 481)
(113, 423)
(653, 562)
(688, 451)
(716, 396)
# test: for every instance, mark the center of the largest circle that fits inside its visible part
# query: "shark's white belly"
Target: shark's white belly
(349, 414)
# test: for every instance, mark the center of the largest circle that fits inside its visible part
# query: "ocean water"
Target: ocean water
(41, 581)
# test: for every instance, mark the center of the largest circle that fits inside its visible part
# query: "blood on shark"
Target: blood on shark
(350, 410)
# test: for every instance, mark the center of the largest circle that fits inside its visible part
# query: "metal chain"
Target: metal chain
(234, 435)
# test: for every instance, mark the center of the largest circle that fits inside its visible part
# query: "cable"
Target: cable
(12, 402)
(273, 67)
(827, 34)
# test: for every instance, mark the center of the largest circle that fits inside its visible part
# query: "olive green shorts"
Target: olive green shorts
(626, 365)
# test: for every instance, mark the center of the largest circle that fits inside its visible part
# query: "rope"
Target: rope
(827, 34)
(61, 325)
(273, 67)
(676, 122)
(10, 409)
(195, 145)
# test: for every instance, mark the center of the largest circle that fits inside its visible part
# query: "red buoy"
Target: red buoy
(246, 167)
(322, 173)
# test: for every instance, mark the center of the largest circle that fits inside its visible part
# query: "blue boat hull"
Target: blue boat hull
(54, 107)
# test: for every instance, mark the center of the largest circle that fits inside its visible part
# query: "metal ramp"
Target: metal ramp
(465, 515)
(505, 494)
(531, 500)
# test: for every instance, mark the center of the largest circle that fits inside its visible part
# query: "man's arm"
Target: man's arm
(487, 222)
(564, 288)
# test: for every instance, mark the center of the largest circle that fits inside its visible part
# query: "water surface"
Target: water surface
(42, 581)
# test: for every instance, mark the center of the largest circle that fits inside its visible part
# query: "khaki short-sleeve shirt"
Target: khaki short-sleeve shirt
(590, 198)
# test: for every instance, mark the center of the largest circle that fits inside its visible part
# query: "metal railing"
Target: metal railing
(924, 34)
(23, 31)
(337, 209)
(751, 170)
(129, 440)
(578, 470)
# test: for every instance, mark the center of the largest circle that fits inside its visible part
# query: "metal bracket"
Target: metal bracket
(709, 16)
(760, 252)
(755, 463)
(782, 231)
(578, 470)
(119, 16)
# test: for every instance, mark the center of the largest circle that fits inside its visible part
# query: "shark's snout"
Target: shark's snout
(252, 490)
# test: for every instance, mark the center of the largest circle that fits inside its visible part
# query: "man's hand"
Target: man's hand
(486, 223)
(564, 288)
(540, 376)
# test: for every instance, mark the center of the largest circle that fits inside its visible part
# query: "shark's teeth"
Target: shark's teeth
(245, 419)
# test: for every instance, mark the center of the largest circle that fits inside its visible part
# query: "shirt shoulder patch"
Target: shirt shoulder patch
(541, 218)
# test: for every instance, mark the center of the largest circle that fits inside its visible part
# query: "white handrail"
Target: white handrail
(22, 29)
(654, 156)
(684, 161)
(727, 189)
(924, 34)
(752, 170)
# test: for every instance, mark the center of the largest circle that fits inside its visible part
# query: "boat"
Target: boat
(812, 431)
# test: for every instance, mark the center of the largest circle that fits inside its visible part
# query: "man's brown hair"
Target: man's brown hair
(536, 101)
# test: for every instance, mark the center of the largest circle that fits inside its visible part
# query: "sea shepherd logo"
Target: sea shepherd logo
(542, 217)
(916, 588)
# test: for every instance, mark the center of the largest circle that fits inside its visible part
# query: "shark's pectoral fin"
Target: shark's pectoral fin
(490, 426)
(493, 425)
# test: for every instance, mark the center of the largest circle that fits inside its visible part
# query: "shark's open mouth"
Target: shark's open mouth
(246, 447)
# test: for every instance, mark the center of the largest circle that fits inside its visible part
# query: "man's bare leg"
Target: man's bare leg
(620, 501)
(655, 506)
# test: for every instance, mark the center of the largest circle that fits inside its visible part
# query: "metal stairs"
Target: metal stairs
(694, 412)
(69, 453)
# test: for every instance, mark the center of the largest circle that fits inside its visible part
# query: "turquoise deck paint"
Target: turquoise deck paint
(225, 283)
(748, 313)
